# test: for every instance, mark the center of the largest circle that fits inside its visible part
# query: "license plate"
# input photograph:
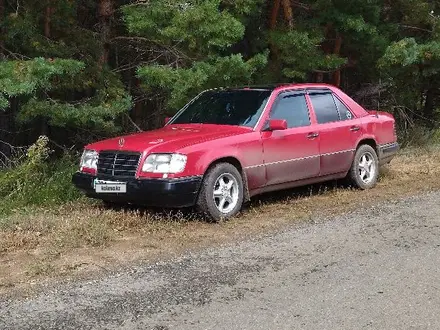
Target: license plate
(110, 187)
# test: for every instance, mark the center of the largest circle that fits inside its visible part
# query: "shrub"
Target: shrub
(38, 181)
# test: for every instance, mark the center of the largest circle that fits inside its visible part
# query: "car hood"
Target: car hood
(169, 138)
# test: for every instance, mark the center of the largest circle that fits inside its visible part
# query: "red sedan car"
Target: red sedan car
(228, 145)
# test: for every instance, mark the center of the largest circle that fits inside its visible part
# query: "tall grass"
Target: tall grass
(36, 181)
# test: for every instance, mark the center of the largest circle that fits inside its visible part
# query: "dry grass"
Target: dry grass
(84, 237)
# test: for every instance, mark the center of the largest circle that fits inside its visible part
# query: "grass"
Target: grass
(30, 185)
(81, 236)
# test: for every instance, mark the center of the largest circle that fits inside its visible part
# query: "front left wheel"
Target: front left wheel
(221, 194)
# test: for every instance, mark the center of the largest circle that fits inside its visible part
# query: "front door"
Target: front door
(291, 154)
(338, 130)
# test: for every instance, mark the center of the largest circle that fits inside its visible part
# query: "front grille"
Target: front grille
(118, 163)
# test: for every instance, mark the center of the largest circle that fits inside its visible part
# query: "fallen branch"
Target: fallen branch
(133, 123)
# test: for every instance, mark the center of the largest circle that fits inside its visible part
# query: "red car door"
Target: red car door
(338, 131)
(291, 154)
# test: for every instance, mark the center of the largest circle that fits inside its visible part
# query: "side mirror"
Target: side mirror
(167, 119)
(277, 124)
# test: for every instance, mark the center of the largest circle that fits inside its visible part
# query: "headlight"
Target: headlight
(164, 163)
(89, 159)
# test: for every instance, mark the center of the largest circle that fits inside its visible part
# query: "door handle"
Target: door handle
(312, 135)
(355, 128)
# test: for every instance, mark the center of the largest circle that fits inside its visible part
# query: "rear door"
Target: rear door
(291, 154)
(338, 129)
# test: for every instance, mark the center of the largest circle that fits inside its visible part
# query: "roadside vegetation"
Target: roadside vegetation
(36, 180)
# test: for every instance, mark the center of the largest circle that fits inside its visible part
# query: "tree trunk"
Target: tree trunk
(288, 13)
(337, 51)
(138, 104)
(105, 12)
(274, 14)
(47, 19)
(275, 65)
(2, 31)
(325, 46)
(319, 77)
(428, 111)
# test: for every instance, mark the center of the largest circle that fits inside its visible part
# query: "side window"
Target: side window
(325, 107)
(293, 108)
(343, 110)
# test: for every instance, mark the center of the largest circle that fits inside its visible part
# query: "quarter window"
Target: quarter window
(343, 110)
(325, 107)
(293, 108)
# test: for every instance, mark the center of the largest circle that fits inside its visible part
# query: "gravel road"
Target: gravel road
(372, 269)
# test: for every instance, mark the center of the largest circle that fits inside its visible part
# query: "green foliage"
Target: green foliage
(27, 77)
(407, 52)
(37, 181)
(4, 103)
(59, 79)
(24, 32)
(243, 7)
(402, 53)
(99, 114)
(34, 77)
(418, 65)
(199, 26)
(200, 34)
(355, 16)
(204, 26)
(220, 71)
(307, 57)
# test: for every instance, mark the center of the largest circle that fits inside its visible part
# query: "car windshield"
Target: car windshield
(231, 107)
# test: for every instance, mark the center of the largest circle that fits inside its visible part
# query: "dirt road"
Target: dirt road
(374, 269)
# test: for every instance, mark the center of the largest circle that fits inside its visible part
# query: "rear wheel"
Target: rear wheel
(221, 195)
(364, 171)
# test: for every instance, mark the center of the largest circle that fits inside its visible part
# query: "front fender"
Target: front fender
(213, 156)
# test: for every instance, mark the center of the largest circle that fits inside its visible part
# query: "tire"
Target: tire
(221, 194)
(364, 171)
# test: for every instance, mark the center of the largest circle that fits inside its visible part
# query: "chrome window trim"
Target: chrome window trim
(275, 95)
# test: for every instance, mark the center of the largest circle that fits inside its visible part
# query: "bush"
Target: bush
(38, 181)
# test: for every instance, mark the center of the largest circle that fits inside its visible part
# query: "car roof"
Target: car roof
(319, 87)
(279, 86)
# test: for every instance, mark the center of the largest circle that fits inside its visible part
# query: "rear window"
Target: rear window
(324, 106)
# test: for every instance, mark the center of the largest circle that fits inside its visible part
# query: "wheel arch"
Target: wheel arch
(234, 161)
(369, 141)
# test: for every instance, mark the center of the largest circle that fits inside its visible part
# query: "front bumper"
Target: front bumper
(169, 193)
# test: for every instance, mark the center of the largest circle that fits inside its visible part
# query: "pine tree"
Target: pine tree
(54, 67)
(194, 43)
